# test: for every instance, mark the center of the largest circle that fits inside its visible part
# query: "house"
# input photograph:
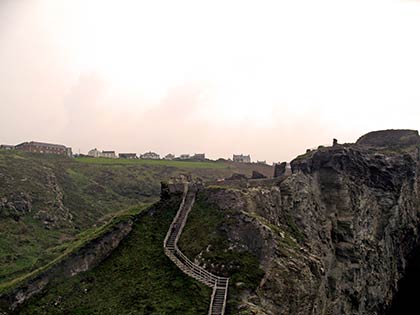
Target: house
(150, 156)
(199, 156)
(262, 162)
(130, 156)
(106, 154)
(7, 147)
(44, 148)
(95, 153)
(184, 157)
(240, 158)
(169, 157)
(109, 154)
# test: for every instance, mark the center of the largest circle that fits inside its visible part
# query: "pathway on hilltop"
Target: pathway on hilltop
(218, 284)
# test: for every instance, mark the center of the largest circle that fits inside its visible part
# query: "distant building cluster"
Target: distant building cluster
(145, 156)
(49, 148)
(39, 147)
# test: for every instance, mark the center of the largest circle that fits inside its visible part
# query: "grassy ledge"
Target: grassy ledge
(70, 247)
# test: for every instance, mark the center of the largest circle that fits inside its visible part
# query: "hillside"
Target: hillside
(46, 201)
(340, 235)
(335, 237)
(137, 278)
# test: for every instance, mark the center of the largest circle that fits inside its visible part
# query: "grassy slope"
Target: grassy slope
(61, 252)
(241, 266)
(93, 190)
(136, 279)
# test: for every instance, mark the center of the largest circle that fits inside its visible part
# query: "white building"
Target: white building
(109, 154)
(95, 153)
(106, 154)
(184, 157)
(240, 158)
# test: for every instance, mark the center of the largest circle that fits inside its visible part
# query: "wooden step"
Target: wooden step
(219, 284)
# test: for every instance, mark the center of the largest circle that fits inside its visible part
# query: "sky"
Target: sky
(265, 78)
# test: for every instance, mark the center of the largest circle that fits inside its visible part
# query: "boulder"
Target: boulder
(257, 175)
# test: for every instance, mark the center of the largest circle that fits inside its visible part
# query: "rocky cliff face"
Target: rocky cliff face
(333, 238)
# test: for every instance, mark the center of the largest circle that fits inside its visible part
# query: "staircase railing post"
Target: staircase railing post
(185, 264)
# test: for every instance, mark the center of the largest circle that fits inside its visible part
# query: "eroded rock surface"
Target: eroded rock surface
(332, 238)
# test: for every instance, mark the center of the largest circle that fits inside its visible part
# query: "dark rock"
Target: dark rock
(257, 175)
(334, 238)
(237, 176)
(16, 205)
(280, 169)
(384, 138)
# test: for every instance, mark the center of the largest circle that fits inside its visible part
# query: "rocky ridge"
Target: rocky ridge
(335, 237)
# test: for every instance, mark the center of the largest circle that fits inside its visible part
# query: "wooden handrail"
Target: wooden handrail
(186, 265)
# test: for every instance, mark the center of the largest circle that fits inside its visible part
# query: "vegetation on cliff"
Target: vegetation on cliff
(137, 278)
(210, 245)
(47, 201)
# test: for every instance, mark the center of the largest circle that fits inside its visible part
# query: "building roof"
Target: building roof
(108, 152)
(42, 144)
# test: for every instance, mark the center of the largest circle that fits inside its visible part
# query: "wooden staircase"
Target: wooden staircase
(219, 284)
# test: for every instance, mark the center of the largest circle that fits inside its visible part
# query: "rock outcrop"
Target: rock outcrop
(333, 238)
(280, 169)
(55, 214)
(15, 205)
(257, 175)
(386, 138)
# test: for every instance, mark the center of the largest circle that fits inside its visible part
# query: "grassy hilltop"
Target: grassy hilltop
(47, 202)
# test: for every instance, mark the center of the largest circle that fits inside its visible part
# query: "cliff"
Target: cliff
(335, 237)
(340, 235)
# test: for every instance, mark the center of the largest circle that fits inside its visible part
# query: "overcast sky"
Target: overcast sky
(267, 78)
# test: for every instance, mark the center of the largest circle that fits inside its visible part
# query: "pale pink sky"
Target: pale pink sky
(266, 78)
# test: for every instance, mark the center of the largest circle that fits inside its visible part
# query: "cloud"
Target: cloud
(268, 78)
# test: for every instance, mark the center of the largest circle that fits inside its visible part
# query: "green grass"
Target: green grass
(20, 249)
(137, 278)
(178, 164)
(211, 241)
(92, 191)
(63, 250)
